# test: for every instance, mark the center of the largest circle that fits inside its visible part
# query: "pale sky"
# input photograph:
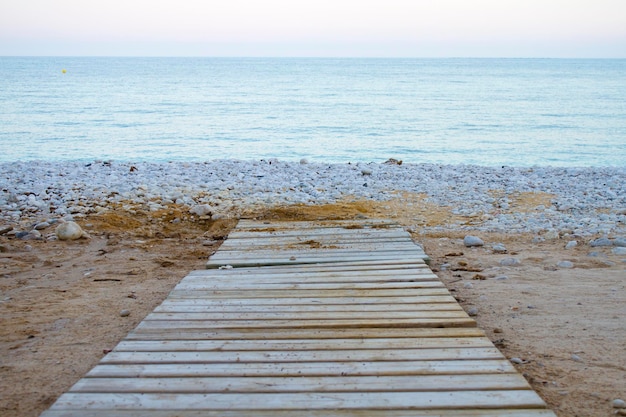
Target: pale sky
(376, 28)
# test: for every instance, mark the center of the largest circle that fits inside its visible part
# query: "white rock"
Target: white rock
(201, 210)
(473, 311)
(69, 231)
(565, 264)
(471, 241)
(571, 244)
(499, 248)
(620, 250)
(510, 262)
(619, 403)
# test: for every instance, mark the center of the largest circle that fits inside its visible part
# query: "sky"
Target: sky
(334, 28)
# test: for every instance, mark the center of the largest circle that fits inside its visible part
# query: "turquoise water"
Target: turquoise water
(519, 112)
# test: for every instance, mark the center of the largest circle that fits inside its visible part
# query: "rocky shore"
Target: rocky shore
(546, 201)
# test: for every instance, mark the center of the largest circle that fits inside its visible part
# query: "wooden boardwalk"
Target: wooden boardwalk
(306, 319)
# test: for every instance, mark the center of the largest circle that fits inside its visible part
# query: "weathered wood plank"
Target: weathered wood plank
(230, 286)
(355, 309)
(295, 333)
(391, 264)
(312, 279)
(424, 383)
(461, 321)
(340, 268)
(378, 355)
(239, 261)
(334, 368)
(495, 412)
(321, 294)
(301, 344)
(297, 316)
(301, 401)
(203, 299)
(360, 253)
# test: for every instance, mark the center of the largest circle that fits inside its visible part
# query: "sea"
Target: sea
(490, 112)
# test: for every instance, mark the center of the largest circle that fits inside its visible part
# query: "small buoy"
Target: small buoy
(63, 70)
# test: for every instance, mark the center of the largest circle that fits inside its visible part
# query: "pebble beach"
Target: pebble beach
(575, 201)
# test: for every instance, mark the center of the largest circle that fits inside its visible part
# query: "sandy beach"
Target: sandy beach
(554, 307)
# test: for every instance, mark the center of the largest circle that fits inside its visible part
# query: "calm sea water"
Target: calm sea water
(474, 111)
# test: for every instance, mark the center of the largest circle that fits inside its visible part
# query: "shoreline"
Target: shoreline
(578, 202)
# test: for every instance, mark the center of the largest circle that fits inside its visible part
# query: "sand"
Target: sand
(60, 302)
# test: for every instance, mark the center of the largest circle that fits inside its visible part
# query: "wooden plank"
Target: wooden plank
(251, 286)
(356, 309)
(290, 324)
(378, 355)
(243, 261)
(495, 412)
(301, 316)
(301, 401)
(318, 247)
(290, 334)
(341, 265)
(301, 344)
(339, 269)
(312, 279)
(360, 253)
(321, 294)
(361, 267)
(424, 383)
(317, 243)
(203, 299)
(334, 368)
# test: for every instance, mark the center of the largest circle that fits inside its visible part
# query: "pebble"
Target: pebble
(473, 311)
(510, 262)
(619, 250)
(502, 277)
(468, 285)
(571, 244)
(202, 210)
(42, 226)
(603, 241)
(499, 248)
(124, 313)
(551, 235)
(619, 403)
(5, 229)
(32, 235)
(472, 241)
(576, 358)
(517, 361)
(620, 241)
(565, 264)
(69, 231)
